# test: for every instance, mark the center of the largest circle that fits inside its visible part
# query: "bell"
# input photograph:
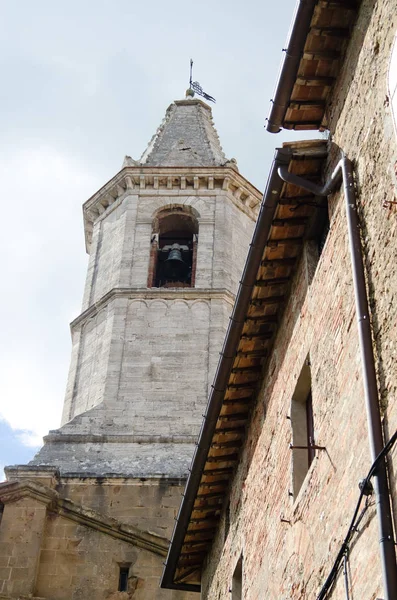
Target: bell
(175, 267)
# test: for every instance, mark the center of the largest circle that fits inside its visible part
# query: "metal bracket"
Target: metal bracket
(311, 447)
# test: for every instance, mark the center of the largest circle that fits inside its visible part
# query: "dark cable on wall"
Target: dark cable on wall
(344, 549)
(346, 574)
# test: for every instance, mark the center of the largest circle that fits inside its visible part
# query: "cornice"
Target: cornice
(170, 181)
(10, 491)
(121, 531)
(56, 436)
(153, 294)
(15, 490)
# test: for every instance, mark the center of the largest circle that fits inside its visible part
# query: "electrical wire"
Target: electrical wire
(344, 549)
(346, 574)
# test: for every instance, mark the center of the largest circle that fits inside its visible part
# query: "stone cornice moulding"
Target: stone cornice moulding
(2, 597)
(10, 491)
(56, 436)
(121, 531)
(171, 180)
(153, 294)
(15, 490)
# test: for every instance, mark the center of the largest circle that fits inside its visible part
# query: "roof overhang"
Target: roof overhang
(313, 59)
(287, 217)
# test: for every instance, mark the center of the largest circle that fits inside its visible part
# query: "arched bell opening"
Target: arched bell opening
(173, 249)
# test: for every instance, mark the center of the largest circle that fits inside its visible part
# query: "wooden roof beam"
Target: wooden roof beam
(276, 262)
(293, 124)
(345, 4)
(296, 201)
(223, 458)
(202, 530)
(234, 444)
(252, 353)
(206, 496)
(249, 369)
(270, 282)
(228, 430)
(210, 472)
(267, 300)
(264, 335)
(319, 55)
(233, 417)
(290, 221)
(314, 80)
(298, 241)
(338, 32)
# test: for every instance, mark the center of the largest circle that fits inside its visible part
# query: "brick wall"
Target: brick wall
(288, 543)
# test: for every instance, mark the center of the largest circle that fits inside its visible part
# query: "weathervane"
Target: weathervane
(196, 87)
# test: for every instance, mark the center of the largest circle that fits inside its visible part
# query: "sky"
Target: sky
(82, 85)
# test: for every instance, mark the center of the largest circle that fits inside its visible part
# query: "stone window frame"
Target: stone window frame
(124, 572)
(162, 213)
(392, 82)
(237, 580)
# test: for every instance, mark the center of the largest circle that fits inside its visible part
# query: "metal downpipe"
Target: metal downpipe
(344, 171)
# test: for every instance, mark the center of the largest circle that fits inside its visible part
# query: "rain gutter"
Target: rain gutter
(289, 69)
(344, 171)
(261, 234)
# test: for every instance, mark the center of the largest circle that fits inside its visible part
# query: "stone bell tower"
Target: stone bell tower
(89, 518)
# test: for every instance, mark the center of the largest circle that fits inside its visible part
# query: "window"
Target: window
(173, 249)
(302, 423)
(237, 581)
(123, 579)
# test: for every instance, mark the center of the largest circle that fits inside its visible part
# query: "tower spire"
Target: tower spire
(186, 138)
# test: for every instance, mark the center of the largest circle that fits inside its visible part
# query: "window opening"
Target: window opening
(237, 581)
(173, 250)
(123, 579)
(302, 422)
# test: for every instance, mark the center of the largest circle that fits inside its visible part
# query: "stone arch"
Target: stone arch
(197, 203)
(181, 206)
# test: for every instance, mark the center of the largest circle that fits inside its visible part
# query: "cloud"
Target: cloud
(12, 450)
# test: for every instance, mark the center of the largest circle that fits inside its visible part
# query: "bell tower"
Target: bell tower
(167, 238)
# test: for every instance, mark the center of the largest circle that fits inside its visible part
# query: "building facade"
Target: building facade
(90, 517)
(273, 507)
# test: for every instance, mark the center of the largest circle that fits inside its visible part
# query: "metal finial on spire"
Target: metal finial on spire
(196, 87)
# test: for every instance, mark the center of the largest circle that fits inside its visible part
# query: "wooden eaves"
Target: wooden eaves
(313, 59)
(287, 217)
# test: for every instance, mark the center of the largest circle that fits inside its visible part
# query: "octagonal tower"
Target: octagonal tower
(167, 238)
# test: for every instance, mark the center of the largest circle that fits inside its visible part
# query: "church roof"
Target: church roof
(187, 137)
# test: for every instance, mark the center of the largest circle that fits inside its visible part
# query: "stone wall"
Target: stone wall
(127, 349)
(289, 543)
(68, 542)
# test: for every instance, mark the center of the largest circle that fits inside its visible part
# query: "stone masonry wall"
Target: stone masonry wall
(120, 247)
(150, 361)
(289, 544)
(46, 554)
(156, 347)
